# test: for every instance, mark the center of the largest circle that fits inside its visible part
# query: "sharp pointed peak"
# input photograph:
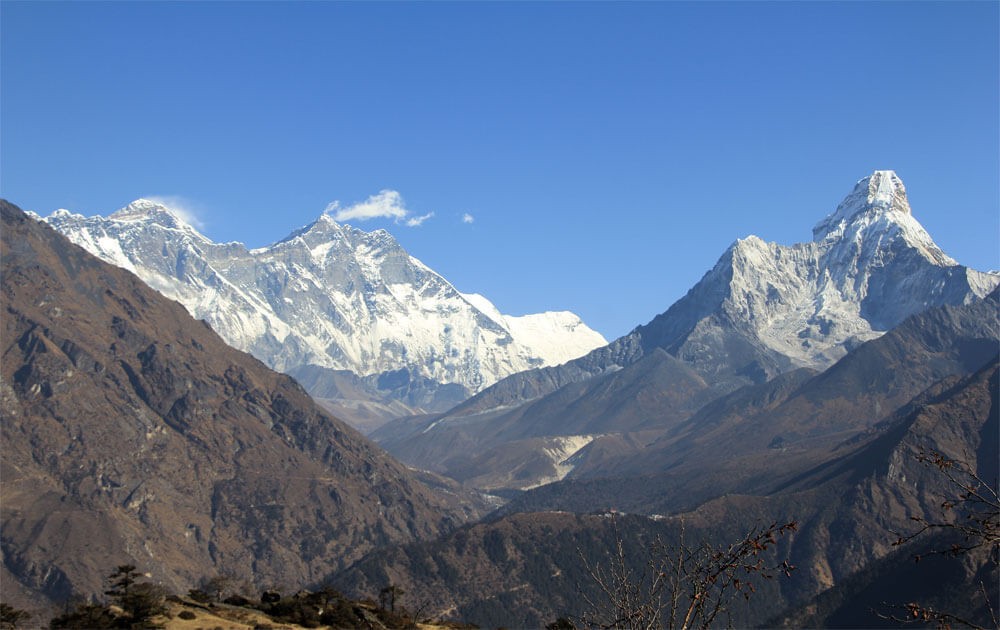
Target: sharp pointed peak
(885, 190)
(325, 218)
(880, 192)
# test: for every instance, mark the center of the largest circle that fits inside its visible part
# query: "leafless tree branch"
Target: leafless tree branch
(681, 586)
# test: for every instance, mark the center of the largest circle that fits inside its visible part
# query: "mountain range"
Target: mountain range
(800, 382)
(331, 303)
(763, 311)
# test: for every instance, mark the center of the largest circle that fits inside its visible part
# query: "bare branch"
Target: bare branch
(975, 515)
(684, 586)
(976, 508)
(915, 613)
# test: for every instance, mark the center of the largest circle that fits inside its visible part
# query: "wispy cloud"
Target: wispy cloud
(387, 204)
(417, 221)
(185, 209)
(468, 218)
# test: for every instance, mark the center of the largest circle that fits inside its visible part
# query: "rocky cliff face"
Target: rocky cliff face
(330, 296)
(132, 433)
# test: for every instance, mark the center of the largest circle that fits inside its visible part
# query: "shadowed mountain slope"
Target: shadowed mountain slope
(527, 569)
(761, 437)
(132, 434)
(501, 447)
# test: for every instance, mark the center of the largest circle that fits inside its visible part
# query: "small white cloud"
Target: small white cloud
(386, 204)
(468, 218)
(184, 208)
(417, 221)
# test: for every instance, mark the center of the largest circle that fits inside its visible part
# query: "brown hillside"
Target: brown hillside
(132, 433)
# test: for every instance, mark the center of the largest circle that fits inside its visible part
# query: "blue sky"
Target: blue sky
(606, 154)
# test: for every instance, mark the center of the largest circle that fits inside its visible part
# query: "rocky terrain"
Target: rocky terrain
(817, 383)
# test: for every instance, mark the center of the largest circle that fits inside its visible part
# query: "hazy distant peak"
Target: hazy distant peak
(141, 208)
(60, 213)
(324, 225)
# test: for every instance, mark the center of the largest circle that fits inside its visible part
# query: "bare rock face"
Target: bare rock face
(132, 433)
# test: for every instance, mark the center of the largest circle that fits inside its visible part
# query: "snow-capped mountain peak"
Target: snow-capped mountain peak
(876, 212)
(880, 192)
(559, 335)
(774, 307)
(321, 230)
(148, 212)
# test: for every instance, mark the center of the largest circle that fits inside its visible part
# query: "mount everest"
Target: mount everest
(331, 298)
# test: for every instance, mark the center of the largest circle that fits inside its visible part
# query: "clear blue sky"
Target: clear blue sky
(607, 153)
